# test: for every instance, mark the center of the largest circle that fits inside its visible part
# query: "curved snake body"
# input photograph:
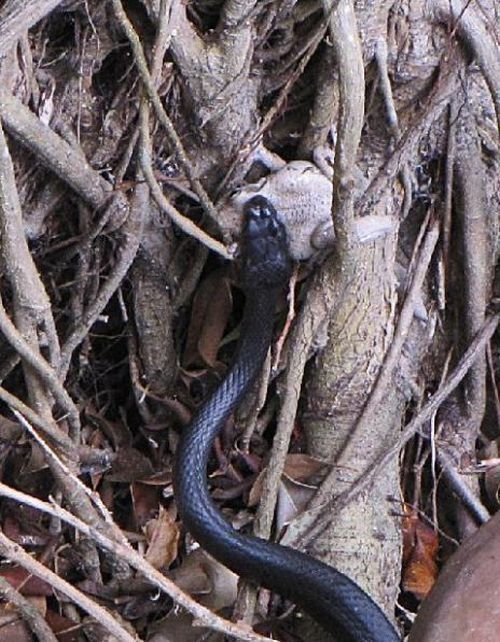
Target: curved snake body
(330, 597)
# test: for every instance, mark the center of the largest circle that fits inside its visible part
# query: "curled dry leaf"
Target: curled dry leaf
(212, 306)
(200, 574)
(163, 537)
(292, 500)
(299, 468)
(420, 547)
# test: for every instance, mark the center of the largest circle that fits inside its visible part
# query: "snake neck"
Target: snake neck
(255, 338)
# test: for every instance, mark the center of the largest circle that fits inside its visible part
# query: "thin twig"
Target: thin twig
(50, 430)
(463, 15)
(349, 56)
(15, 553)
(64, 160)
(381, 55)
(125, 551)
(448, 186)
(29, 612)
(461, 489)
(181, 221)
(41, 366)
(432, 109)
(93, 497)
(132, 233)
(142, 67)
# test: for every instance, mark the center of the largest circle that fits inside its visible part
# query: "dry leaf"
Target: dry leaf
(145, 502)
(12, 628)
(26, 583)
(213, 583)
(212, 306)
(292, 499)
(177, 626)
(65, 629)
(300, 467)
(129, 465)
(420, 547)
(163, 537)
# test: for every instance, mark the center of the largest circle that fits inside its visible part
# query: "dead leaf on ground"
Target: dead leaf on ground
(116, 432)
(129, 465)
(200, 575)
(65, 629)
(163, 537)
(292, 499)
(12, 628)
(26, 583)
(145, 502)
(176, 626)
(299, 468)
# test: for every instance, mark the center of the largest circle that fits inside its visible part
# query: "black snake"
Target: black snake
(330, 597)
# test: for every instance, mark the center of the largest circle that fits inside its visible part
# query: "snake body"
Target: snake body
(330, 597)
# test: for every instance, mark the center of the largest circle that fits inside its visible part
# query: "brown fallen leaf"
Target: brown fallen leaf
(163, 537)
(210, 312)
(301, 467)
(420, 547)
(214, 585)
(26, 583)
(65, 629)
(12, 628)
(144, 502)
(129, 465)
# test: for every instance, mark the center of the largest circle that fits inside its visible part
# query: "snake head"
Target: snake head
(266, 255)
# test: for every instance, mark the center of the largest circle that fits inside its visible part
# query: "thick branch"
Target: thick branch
(17, 17)
(65, 161)
(349, 55)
